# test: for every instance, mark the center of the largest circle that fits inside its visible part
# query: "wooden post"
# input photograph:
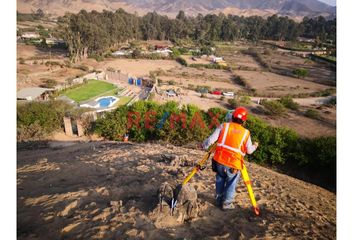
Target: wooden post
(68, 127)
(80, 129)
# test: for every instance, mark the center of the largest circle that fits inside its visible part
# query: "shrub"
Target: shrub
(22, 61)
(332, 102)
(36, 120)
(279, 146)
(82, 67)
(136, 53)
(49, 83)
(288, 102)
(273, 107)
(245, 100)
(312, 113)
(182, 61)
(171, 82)
(301, 72)
(233, 103)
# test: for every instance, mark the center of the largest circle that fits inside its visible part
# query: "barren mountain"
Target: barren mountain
(293, 8)
(108, 190)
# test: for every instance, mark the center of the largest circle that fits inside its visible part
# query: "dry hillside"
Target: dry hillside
(107, 190)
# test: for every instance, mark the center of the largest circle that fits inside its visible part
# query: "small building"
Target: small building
(30, 35)
(171, 93)
(121, 53)
(163, 52)
(307, 40)
(217, 59)
(161, 47)
(34, 94)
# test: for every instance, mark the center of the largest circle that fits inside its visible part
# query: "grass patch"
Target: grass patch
(123, 101)
(91, 89)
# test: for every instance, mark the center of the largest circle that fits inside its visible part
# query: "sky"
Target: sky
(329, 2)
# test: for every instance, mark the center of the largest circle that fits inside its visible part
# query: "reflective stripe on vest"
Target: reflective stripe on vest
(222, 144)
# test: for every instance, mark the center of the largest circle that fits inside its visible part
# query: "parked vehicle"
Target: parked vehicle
(229, 94)
(216, 92)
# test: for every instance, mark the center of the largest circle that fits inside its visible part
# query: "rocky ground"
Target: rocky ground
(108, 190)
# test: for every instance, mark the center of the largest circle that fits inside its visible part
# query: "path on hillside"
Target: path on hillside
(302, 101)
(107, 190)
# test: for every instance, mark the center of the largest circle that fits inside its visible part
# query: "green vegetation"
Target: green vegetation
(312, 113)
(233, 103)
(182, 61)
(301, 72)
(105, 30)
(36, 120)
(258, 57)
(123, 100)
(30, 16)
(279, 147)
(209, 66)
(49, 83)
(89, 90)
(273, 107)
(288, 102)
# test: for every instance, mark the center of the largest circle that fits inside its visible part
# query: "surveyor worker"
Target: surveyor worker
(233, 142)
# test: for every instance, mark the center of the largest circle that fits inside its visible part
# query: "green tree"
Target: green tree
(301, 72)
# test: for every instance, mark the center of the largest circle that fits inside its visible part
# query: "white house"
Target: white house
(30, 35)
(35, 93)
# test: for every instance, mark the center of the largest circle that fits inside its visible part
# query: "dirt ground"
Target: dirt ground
(303, 125)
(34, 72)
(190, 97)
(186, 76)
(135, 67)
(108, 190)
(268, 83)
(286, 63)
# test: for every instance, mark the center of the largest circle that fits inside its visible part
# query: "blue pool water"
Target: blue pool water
(105, 102)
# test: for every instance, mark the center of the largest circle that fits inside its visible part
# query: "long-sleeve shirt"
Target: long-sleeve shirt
(250, 148)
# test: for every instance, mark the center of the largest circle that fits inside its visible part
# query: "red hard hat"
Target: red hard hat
(240, 113)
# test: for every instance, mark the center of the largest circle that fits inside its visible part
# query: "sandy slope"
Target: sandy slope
(107, 190)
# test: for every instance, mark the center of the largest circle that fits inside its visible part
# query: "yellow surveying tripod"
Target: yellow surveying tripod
(245, 177)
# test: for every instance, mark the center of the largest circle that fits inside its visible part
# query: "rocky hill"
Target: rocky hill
(292, 8)
(108, 190)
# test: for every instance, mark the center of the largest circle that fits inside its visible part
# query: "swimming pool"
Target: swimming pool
(105, 102)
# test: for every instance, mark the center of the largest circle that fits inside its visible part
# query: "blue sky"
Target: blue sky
(330, 2)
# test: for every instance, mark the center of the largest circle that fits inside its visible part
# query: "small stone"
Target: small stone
(72, 228)
(69, 209)
(42, 161)
(49, 218)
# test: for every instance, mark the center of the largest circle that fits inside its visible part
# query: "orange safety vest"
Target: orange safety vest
(231, 145)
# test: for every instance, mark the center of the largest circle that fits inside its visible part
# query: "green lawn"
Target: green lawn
(123, 100)
(91, 89)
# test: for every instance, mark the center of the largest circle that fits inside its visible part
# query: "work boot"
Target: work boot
(228, 206)
(218, 201)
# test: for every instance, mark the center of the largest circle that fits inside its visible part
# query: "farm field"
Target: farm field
(89, 90)
(285, 64)
(191, 77)
(267, 83)
(33, 72)
(134, 67)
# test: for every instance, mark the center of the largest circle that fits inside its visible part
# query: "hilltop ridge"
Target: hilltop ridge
(105, 190)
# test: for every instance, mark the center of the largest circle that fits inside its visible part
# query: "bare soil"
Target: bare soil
(108, 190)
(283, 63)
(135, 67)
(34, 72)
(271, 84)
(213, 78)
